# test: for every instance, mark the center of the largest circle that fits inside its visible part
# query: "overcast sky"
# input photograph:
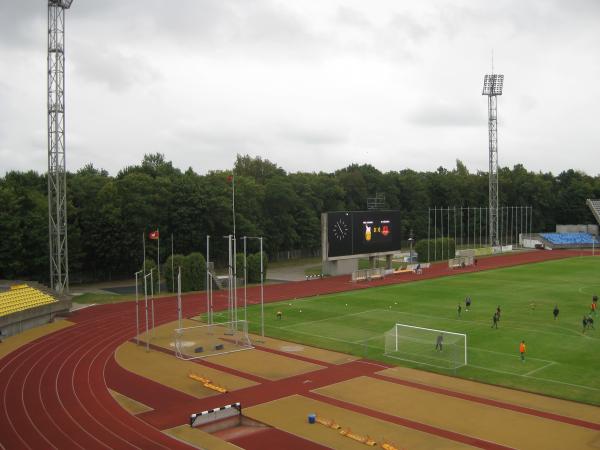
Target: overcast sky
(311, 85)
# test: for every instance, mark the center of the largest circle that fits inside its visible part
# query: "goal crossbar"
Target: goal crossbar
(430, 329)
(418, 341)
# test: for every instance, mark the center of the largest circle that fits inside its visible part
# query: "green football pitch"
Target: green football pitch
(561, 360)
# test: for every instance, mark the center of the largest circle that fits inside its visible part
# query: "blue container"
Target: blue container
(312, 418)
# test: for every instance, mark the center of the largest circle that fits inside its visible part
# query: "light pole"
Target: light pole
(137, 314)
(57, 167)
(492, 87)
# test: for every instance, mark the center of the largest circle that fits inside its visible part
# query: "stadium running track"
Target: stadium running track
(54, 390)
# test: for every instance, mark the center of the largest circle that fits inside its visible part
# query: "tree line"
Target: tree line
(108, 215)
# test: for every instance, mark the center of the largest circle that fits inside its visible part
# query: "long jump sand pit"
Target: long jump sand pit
(264, 364)
(290, 414)
(317, 354)
(128, 404)
(199, 438)
(512, 396)
(172, 372)
(489, 423)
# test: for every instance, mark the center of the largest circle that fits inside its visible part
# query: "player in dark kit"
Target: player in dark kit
(495, 320)
(555, 312)
(584, 322)
(438, 342)
(467, 303)
(459, 309)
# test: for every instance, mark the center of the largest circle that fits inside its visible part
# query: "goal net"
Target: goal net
(426, 346)
(209, 340)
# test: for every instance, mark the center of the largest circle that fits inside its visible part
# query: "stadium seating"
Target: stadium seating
(21, 297)
(569, 238)
(594, 206)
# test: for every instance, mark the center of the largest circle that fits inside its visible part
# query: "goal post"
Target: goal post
(208, 340)
(427, 346)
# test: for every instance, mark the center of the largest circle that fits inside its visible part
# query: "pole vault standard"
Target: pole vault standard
(179, 309)
(146, 309)
(231, 288)
(208, 283)
(245, 238)
(137, 313)
(152, 297)
(262, 279)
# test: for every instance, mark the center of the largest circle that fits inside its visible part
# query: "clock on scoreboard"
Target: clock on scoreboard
(362, 232)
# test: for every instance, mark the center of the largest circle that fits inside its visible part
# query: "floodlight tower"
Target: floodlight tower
(57, 182)
(492, 87)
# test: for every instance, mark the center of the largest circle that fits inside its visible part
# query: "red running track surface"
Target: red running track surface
(54, 390)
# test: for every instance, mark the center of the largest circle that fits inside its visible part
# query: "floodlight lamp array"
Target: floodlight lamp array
(492, 84)
(66, 4)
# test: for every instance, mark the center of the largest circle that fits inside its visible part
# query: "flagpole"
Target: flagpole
(172, 265)
(158, 260)
(144, 247)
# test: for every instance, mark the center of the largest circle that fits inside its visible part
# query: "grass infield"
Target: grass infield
(561, 361)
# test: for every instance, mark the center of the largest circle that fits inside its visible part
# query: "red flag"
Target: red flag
(229, 178)
(153, 235)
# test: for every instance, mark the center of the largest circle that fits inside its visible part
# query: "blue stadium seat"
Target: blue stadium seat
(570, 238)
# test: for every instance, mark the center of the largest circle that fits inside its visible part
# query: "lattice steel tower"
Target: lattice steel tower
(492, 86)
(57, 182)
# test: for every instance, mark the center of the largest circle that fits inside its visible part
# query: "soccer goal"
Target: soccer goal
(426, 346)
(208, 340)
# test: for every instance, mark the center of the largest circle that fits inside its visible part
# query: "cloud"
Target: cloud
(351, 17)
(444, 114)
(119, 72)
(311, 85)
(22, 23)
(312, 137)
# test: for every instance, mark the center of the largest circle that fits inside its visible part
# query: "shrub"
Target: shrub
(193, 273)
(439, 249)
